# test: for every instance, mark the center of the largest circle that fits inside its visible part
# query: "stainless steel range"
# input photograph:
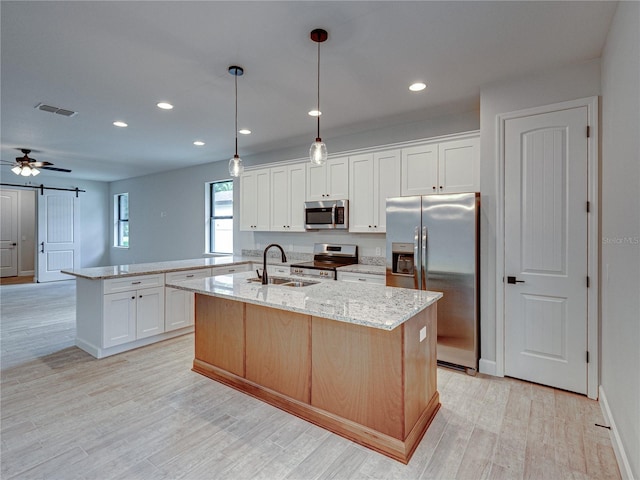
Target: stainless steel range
(327, 258)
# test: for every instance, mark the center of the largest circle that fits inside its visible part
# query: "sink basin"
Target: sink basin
(285, 282)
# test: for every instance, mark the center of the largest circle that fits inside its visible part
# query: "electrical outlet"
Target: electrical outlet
(423, 333)
(377, 251)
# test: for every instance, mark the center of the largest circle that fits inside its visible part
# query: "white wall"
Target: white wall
(568, 83)
(180, 196)
(620, 356)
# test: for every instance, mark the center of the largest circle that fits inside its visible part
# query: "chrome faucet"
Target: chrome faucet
(265, 279)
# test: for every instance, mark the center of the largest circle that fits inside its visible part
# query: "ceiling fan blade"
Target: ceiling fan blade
(39, 164)
(56, 169)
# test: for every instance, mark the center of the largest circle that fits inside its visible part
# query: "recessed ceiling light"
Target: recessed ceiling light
(198, 143)
(315, 113)
(244, 131)
(120, 124)
(165, 106)
(417, 87)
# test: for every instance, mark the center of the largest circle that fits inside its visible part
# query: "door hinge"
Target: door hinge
(588, 282)
(588, 206)
(588, 131)
(587, 356)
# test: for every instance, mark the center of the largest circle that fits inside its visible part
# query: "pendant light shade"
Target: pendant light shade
(236, 167)
(318, 150)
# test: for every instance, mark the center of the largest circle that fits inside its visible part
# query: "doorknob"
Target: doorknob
(514, 280)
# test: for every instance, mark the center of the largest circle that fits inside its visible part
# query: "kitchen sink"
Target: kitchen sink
(285, 282)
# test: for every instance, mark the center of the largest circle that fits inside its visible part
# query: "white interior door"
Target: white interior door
(546, 247)
(8, 233)
(58, 235)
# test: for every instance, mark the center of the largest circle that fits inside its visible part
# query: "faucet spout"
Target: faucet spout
(265, 278)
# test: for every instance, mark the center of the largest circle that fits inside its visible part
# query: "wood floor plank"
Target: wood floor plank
(145, 415)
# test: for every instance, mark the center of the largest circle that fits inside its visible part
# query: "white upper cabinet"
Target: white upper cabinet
(255, 200)
(288, 189)
(329, 181)
(459, 166)
(373, 178)
(447, 167)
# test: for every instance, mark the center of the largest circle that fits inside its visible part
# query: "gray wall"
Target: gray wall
(167, 210)
(94, 218)
(620, 359)
(569, 83)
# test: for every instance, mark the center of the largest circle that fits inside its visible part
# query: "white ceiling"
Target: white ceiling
(115, 60)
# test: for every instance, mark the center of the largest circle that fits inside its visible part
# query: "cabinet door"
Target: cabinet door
(119, 319)
(279, 199)
(248, 201)
(459, 166)
(362, 198)
(178, 312)
(420, 170)
(316, 182)
(149, 312)
(263, 196)
(337, 171)
(387, 183)
(297, 193)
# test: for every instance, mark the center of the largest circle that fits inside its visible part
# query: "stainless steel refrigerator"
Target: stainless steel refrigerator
(433, 243)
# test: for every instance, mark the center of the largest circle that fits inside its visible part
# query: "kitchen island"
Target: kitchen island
(356, 359)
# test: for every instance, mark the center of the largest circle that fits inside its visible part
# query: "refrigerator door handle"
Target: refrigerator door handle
(425, 258)
(416, 256)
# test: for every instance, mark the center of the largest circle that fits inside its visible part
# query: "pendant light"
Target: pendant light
(318, 150)
(236, 168)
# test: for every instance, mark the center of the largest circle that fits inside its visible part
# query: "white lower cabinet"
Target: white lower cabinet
(179, 304)
(361, 277)
(132, 315)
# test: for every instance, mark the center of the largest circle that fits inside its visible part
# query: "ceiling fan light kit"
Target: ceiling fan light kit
(29, 167)
(318, 150)
(236, 167)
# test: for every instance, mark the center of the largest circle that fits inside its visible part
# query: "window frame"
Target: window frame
(211, 217)
(119, 221)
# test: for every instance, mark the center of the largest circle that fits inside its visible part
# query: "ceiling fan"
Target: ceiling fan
(26, 166)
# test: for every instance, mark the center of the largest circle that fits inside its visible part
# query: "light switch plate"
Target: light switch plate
(423, 333)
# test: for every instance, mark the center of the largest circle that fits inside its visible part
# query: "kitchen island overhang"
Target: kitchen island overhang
(358, 360)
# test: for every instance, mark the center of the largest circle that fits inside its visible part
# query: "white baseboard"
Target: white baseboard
(618, 448)
(487, 366)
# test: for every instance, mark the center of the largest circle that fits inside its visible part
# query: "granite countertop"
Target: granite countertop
(369, 305)
(115, 271)
(362, 269)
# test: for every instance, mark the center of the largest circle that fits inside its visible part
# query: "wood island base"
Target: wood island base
(372, 386)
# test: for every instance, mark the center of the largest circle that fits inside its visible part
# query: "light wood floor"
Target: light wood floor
(145, 415)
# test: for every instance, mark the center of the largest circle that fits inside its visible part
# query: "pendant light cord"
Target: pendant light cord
(236, 82)
(318, 136)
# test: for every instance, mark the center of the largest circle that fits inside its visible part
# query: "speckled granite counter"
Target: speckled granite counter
(375, 306)
(115, 271)
(363, 269)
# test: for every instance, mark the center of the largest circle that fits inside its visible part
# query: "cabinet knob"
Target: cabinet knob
(440, 187)
(133, 298)
(434, 187)
(140, 296)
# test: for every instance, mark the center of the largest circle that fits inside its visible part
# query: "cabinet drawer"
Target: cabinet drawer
(114, 285)
(243, 267)
(187, 275)
(361, 278)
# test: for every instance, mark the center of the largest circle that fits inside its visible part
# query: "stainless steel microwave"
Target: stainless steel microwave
(327, 214)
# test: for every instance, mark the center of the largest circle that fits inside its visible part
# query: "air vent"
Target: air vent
(60, 111)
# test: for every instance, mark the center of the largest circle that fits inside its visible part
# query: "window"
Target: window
(221, 217)
(121, 220)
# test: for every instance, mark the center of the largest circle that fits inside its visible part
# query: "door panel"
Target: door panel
(546, 248)
(8, 233)
(58, 235)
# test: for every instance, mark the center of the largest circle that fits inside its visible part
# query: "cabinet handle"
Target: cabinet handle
(362, 279)
(231, 270)
(190, 276)
(136, 283)
(41, 247)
